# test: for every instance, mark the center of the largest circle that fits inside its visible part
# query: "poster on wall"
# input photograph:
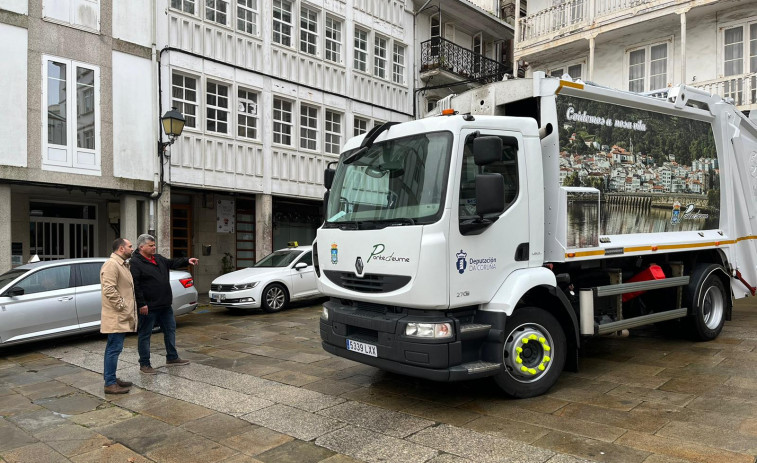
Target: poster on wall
(225, 216)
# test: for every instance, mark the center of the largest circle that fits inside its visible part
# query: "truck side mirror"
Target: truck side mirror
(487, 150)
(328, 177)
(490, 194)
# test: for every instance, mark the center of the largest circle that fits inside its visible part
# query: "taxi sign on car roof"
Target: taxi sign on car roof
(292, 244)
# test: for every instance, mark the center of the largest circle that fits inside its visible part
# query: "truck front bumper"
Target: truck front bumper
(434, 359)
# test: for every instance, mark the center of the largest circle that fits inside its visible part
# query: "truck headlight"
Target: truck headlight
(245, 286)
(429, 330)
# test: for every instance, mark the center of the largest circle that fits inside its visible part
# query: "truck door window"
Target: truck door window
(507, 167)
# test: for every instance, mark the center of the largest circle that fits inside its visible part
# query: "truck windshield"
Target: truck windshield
(395, 182)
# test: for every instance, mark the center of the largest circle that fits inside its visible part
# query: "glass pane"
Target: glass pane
(49, 279)
(85, 108)
(245, 254)
(245, 226)
(245, 245)
(56, 103)
(244, 217)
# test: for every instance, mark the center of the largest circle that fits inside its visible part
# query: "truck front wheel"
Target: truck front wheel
(533, 353)
(709, 303)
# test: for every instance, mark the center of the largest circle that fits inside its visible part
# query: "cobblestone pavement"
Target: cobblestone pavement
(261, 389)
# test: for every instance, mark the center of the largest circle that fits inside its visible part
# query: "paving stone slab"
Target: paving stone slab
(377, 419)
(72, 404)
(479, 447)
(681, 449)
(12, 437)
(295, 451)
(218, 426)
(196, 449)
(38, 419)
(45, 390)
(370, 446)
(110, 453)
(102, 417)
(589, 448)
(38, 452)
(293, 421)
(256, 441)
(711, 436)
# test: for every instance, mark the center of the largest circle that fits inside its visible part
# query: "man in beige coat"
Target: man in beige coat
(119, 311)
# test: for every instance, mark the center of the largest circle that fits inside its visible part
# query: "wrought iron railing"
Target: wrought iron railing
(439, 53)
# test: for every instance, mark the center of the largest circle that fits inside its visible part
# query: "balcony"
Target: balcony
(742, 88)
(448, 62)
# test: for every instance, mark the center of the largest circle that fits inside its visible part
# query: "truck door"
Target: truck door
(482, 257)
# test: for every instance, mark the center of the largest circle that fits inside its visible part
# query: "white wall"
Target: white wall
(16, 6)
(132, 21)
(13, 82)
(134, 142)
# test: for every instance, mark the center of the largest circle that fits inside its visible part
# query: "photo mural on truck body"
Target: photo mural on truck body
(655, 172)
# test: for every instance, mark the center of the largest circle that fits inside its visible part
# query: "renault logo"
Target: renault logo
(359, 266)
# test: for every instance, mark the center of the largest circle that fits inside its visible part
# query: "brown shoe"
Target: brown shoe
(148, 370)
(177, 362)
(123, 383)
(116, 389)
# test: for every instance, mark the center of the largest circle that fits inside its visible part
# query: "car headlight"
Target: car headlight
(244, 286)
(429, 330)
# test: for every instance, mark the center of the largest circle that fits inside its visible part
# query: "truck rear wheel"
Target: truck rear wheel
(708, 302)
(533, 353)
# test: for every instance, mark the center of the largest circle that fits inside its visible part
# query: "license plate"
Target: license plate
(362, 348)
(219, 297)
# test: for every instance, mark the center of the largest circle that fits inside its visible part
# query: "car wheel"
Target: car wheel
(275, 298)
(534, 353)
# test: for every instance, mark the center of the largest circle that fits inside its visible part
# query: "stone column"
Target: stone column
(5, 228)
(129, 218)
(163, 222)
(263, 225)
(591, 59)
(683, 48)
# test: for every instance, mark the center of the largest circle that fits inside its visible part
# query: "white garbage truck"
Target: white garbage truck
(495, 237)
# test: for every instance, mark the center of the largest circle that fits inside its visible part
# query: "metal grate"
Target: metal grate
(369, 283)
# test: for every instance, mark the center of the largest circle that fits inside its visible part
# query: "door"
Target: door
(181, 231)
(88, 294)
(483, 257)
(245, 233)
(303, 280)
(47, 307)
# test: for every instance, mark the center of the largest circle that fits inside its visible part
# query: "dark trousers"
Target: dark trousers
(112, 351)
(164, 317)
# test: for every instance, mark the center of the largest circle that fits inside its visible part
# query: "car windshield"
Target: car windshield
(9, 276)
(395, 182)
(278, 258)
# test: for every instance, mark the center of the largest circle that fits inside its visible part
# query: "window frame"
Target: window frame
(284, 24)
(247, 115)
(183, 4)
(399, 68)
(181, 103)
(565, 67)
(362, 51)
(746, 41)
(290, 124)
(217, 108)
(647, 75)
(71, 147)
(332, 138)
(309, 36)
(380, 59)
(207, 8)
(306, 129)
(241, 19)
(355, 126)
(331, 45)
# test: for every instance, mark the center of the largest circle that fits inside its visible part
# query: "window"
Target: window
(740, 57)
(333, 40)
(398, 64)
(216, 11)
(507, 167)
(478, 51)
(648, 68)
(360, 127)
(217, 108)
(282, 121)
(436, 33)
(72, 114)
(308, 127)
(90, 273)
(247, 114)
(247, 16)
(282, 22)
(361, 50)
(333, 132)
(79, 13)
(379, 57)
(187, 6)
(574, 71)
(307, 258)
(308, 31)
(184, 98)
(48, 279)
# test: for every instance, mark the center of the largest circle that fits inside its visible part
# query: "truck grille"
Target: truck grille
(369, 283)
(222, 287)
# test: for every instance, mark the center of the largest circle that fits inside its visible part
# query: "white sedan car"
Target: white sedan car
(280, 277)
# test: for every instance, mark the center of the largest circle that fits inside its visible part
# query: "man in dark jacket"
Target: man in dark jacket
(152, 288)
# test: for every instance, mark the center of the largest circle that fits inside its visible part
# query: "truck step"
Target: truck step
(611, 327)
(474, 331)
(475, 369)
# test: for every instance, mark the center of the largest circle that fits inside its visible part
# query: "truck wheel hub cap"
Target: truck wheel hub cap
(528, 353)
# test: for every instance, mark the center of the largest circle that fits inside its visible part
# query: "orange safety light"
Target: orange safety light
(571, 254)
(654, 248)
(448, 112)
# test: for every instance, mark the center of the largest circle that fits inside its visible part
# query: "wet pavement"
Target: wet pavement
(261, 389)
